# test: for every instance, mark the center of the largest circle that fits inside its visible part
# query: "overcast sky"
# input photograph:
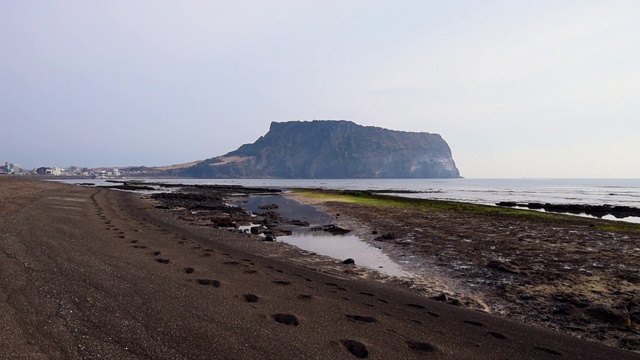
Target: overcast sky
(517, 88)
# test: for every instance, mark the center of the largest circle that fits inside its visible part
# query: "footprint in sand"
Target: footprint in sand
(474, 323)
(547, 350)
(420, 346)
(281, 282)
(356, 348)
(214, 283)
(364, 319)
(251, 298)
(286, 319)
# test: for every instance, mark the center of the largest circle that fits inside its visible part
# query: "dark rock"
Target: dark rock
(576, 300)
(335, 230)
(222, 221)
(276, 231)
(441, 297)
(387, 236)
(565, 309)
(593, 210)
(269, 238)
(299, 223)
(630, 277)
(503, 266)
(130, 187)
(631, 343)
(606, 315)
(268, 207)
(255, 230)
(349, 261)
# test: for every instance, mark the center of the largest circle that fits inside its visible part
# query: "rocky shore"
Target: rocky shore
(90, 272)
(575, 275)
(560, 272)
(597, 211)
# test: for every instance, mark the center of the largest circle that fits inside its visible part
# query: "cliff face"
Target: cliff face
(333, 149)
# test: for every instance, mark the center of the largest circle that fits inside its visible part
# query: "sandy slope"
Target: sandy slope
(94, 273)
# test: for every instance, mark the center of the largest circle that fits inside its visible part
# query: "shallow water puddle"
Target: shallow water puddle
(342, 247)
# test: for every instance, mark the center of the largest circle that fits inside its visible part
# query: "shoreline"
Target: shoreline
(425, 280)
(592, 302)
(92, 272)
(599, 305)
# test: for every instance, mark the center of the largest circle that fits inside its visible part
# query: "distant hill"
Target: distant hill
(331, 149)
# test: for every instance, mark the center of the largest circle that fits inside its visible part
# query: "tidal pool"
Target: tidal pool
(340, 247)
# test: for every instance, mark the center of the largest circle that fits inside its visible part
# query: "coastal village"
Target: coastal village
(71, 171)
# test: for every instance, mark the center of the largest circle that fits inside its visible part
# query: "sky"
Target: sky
(535, 89)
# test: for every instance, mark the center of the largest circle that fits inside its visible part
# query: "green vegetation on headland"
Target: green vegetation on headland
(369, 198)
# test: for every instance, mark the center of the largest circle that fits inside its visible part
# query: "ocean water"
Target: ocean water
(479, 191)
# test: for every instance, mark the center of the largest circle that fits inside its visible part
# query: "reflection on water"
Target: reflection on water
(287, 208)
(339, 247)
(342, 247)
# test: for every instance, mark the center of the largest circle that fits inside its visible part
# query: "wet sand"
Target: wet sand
(97, 273)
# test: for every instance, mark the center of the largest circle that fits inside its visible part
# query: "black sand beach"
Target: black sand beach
(97, 273)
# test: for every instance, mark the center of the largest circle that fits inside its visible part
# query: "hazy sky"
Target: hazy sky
(517, 88)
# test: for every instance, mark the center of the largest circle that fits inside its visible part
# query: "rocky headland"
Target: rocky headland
(331, 149)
